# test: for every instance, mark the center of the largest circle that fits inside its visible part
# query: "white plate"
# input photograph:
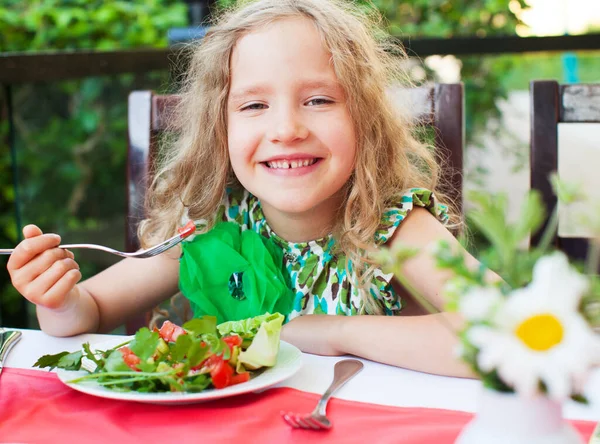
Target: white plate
(289, 361)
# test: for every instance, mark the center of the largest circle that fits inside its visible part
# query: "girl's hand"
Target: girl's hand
(41, 272)
(314, 333)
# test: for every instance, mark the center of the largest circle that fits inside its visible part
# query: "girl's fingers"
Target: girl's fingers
(37, 290)
(55, 297)
(30, 248)
(37, 266)
(31, 231)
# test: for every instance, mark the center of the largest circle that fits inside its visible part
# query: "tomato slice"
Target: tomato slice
(233, 341)
(239, 378)
(220, 371)
(130, 358)
(170, 332)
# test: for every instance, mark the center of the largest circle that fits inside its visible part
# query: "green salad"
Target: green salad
(196, 356)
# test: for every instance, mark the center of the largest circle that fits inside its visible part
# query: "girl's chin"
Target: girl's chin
(291, 207)
(290, 204)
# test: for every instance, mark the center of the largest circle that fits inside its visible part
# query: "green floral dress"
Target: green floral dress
(317, 273)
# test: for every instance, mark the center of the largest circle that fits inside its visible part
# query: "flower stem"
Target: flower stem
(550, 231)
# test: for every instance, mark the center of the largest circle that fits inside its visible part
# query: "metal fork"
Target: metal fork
(317, 420)
(184, 232)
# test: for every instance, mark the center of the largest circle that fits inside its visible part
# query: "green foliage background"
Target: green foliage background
(71, 135)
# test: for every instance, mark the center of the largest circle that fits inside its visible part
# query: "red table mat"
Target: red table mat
(35, 407)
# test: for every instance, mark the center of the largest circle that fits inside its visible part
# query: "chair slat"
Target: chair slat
(163, 107)
(552, 104)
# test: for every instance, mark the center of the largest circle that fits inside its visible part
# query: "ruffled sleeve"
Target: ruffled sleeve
(393, 216)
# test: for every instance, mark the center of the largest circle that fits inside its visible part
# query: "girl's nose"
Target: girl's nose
(287, 130)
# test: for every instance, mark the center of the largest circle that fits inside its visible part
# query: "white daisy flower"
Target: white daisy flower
(479, 303)
(538, 334)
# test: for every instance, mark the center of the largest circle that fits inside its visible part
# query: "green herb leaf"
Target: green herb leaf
(196, 353)
(114, 363)
(203, 325)
(226, 350)
(181, 348)
(147, 367)
(214, 342)
(197, 384)
(90, 355)
(71, 361)
(145, 343)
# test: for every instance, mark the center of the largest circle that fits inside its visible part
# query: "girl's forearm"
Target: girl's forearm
(79, 315)
(424, 343)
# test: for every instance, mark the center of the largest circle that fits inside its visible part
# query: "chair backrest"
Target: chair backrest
(551, 104)
(439, 106)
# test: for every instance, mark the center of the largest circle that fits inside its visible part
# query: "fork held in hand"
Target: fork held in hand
(317, 420)
(184, 232)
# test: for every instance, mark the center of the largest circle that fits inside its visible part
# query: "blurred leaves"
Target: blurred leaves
(70, 136)
(36, 25)
(461, 18)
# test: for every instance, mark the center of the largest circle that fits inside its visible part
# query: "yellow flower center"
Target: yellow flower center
(540, 332)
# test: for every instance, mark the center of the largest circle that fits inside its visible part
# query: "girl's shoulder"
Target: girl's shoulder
(403, 204)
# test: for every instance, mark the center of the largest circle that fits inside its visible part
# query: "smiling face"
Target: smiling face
(290, 135)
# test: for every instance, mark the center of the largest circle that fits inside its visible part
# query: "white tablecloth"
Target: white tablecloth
(377, 383)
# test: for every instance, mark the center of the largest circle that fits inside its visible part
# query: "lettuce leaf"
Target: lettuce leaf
(247, 328)
(265, 345)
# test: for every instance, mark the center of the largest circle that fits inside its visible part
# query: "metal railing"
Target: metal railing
(64, 65)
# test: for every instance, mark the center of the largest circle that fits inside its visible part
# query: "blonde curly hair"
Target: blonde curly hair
(195, 169)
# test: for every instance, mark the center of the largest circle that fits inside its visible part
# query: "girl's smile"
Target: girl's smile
(292, 165)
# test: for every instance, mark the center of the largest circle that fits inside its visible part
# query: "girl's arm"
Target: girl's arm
(47, 276)
(425, 343)
(108, 299)
(421, 343)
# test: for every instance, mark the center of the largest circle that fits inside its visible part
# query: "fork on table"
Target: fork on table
(184, 232)
(317, 420)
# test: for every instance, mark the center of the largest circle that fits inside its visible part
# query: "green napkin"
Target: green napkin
(234, 274)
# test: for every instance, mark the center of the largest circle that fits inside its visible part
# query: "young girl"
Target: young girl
(285, 129)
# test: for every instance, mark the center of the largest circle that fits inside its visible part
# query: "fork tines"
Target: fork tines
(303, 421)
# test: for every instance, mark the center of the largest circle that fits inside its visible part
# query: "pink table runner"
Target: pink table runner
(35, 407)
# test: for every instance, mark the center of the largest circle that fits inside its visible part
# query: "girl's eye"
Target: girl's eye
(254, 106)
(319, 101)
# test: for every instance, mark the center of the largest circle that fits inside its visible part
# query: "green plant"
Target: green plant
(70, 136)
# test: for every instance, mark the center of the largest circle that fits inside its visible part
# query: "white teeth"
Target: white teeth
(291, 164)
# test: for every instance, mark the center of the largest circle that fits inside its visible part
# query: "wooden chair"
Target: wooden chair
(551, 104)
(439, 106)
